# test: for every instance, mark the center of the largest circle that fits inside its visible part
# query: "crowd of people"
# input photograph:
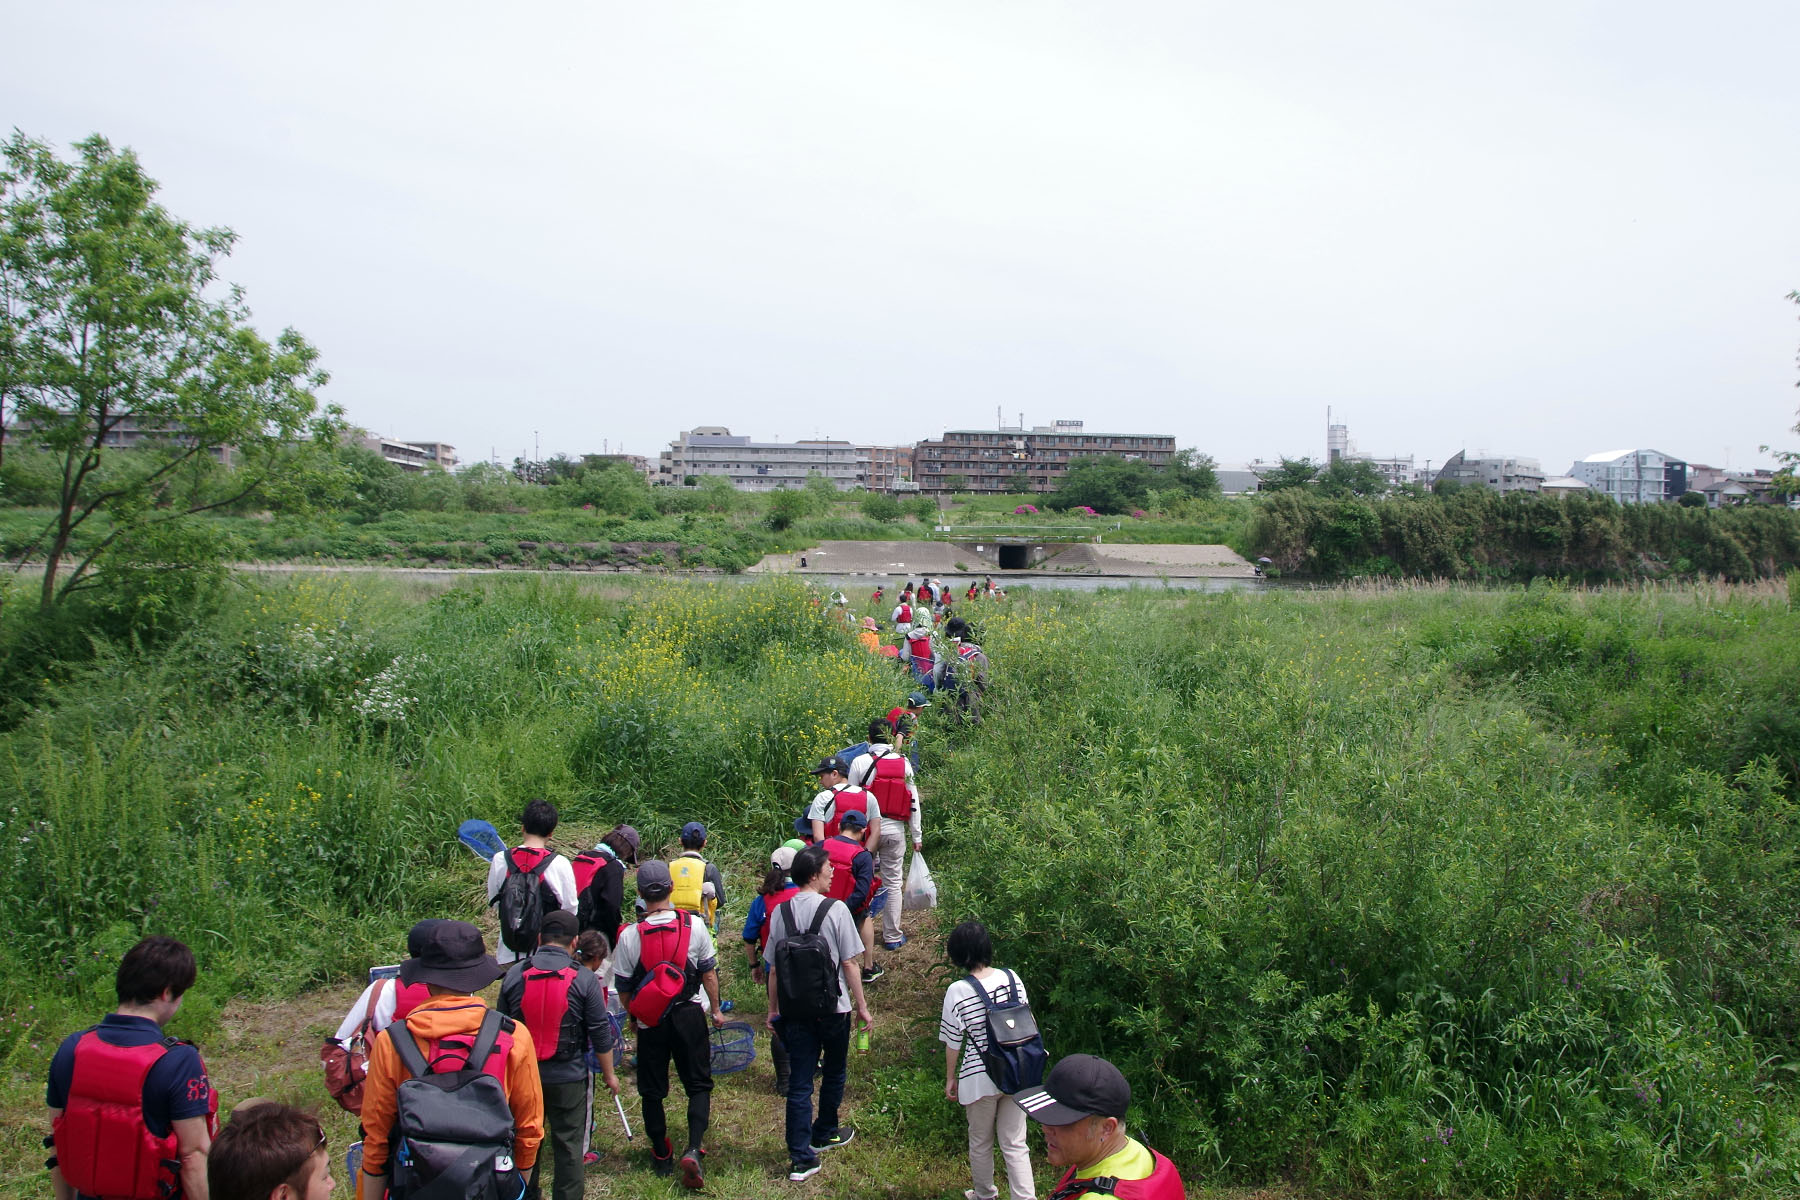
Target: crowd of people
(457, 1097)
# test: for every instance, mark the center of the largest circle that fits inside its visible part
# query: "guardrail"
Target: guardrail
(1033, 533)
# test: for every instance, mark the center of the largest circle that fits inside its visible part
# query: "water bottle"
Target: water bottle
(726, 1006)
(862, 1039)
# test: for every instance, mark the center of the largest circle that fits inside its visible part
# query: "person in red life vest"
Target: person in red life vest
(384, 1001)
(453, 964)
(680, 1036)
(269, 1151)
(132, 1113)
(857, 883)
(876, 598)
(964, 670)
(974, 590)
(920, 657)
(600, 880)
(564, 1006)
(557, 878)
(834, 798)
(777, 888)
(884, 772)
(1082, 1107)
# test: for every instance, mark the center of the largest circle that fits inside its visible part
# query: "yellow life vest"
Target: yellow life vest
(689, 875)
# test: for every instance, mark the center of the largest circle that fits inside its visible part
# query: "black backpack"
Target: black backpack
(522, 906)
(806, 972)
(453, 1130)
(1012, 1050)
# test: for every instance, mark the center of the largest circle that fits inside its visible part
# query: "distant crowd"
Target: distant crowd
(457, 1096)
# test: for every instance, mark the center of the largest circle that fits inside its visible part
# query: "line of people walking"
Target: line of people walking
(457, 1098)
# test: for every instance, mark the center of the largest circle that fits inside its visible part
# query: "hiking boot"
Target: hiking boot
(843, 1137)
(692, 1177)
(800, 1172)
(873, 973)
(663, 1161)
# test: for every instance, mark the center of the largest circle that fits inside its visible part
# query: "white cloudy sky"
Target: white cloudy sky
(1548, 227)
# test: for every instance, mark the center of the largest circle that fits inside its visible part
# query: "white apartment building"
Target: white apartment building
(761, 466)
(1633, 476)
(1496, 472)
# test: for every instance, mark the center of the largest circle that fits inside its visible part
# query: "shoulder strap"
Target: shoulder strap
(987, 1001)
(543, 864)
(819, 916)
(484, 1041)
(374, 999)
(787, 918)
(410, 1056)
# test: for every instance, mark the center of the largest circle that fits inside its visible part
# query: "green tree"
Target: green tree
(787, 506)
(879, 506)
(1191, 473)
(956, 483)
(1292, 473)
(1692, 500)
(1018, 481)
(1352, 477)
(110, 324)
(1108, 483)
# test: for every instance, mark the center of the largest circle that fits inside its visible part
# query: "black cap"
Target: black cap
(1077, 1086)
(654, 881)
(833, 763)
(558, 925)
(452, 956)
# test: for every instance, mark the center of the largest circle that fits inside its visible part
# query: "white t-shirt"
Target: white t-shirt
(863, 770)
(839, 932)
(824, 805)
(701, 956)
(559, 875)
(383, 991)
(964, 1023)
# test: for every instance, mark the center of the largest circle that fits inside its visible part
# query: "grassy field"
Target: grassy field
(1407, 891)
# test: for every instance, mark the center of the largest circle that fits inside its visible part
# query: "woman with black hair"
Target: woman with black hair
(993, 1116)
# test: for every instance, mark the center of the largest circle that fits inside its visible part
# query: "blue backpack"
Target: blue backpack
(1012, 1050)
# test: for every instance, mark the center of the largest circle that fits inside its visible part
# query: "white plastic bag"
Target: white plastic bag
(920, 891)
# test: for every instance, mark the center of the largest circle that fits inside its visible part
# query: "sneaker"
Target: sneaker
(590, 1158)
(895, 945)
(843, 1137)
(692, 1177)
(663, 1161)
(800, 1172)
(873, 973)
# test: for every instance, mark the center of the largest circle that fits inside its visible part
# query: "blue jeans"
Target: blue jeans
(809, 1042)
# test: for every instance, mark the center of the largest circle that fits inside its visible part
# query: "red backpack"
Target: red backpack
(666, 981)
(543, 1006)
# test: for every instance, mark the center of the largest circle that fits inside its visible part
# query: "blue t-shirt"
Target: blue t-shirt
(175, 1089)
(754, 918)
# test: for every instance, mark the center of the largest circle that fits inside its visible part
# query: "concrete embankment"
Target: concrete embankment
(985, 558)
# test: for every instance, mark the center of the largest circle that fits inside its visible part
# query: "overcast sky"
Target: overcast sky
(1547, 227)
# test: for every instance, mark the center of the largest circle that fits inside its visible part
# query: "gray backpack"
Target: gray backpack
(453, 1130)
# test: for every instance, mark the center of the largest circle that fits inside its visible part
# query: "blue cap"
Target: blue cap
(693, 833)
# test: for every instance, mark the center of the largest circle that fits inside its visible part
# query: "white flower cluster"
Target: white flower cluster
(384, 698)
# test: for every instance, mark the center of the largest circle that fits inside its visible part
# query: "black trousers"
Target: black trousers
(680, 1037)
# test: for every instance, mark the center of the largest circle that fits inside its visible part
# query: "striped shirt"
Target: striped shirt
(964, 1023)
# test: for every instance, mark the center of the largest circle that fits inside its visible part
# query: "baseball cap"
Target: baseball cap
(783, 858)
(794, 844)
(870, 623)
(693, 833)
(854, 817)
(558, 925)
(1078, 1086)
(653, 881)
(831, 763)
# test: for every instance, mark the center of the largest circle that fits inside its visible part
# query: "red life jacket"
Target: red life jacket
(904, 616)
(544, 1004)
(850, 798)
(888, 783)
(451, 1052)
(408, 996)
(770, 904)
(842, 852)
(918, 644)
(103, 1147)
(1163, 1183)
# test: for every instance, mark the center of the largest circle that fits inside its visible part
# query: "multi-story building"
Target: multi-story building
(1023, 460)
(1725, 488)
(760, 466)
(412, 456)
(889, 467)
(1496, 472)
(1633, 476)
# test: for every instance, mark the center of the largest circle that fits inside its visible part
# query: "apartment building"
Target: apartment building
(1019, 459)
(890, 467)
(1634, 476)
(1496, 472)
(760, 466)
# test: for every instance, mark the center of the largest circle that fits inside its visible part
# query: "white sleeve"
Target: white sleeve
(561, 878)
(354, 1019)
(821, 806)
(859, 772)
(496, 875)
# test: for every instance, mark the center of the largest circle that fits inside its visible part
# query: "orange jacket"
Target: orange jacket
(436, 1018)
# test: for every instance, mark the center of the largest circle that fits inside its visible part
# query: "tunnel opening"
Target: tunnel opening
(1014, 558)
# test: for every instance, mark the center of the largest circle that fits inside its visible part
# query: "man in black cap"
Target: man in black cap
(679, 1034)
(835, 797)
(564, 1006)
(453, 964)
(1082, 1107)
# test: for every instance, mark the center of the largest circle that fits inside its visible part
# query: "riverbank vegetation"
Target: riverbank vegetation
(1403, 892)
